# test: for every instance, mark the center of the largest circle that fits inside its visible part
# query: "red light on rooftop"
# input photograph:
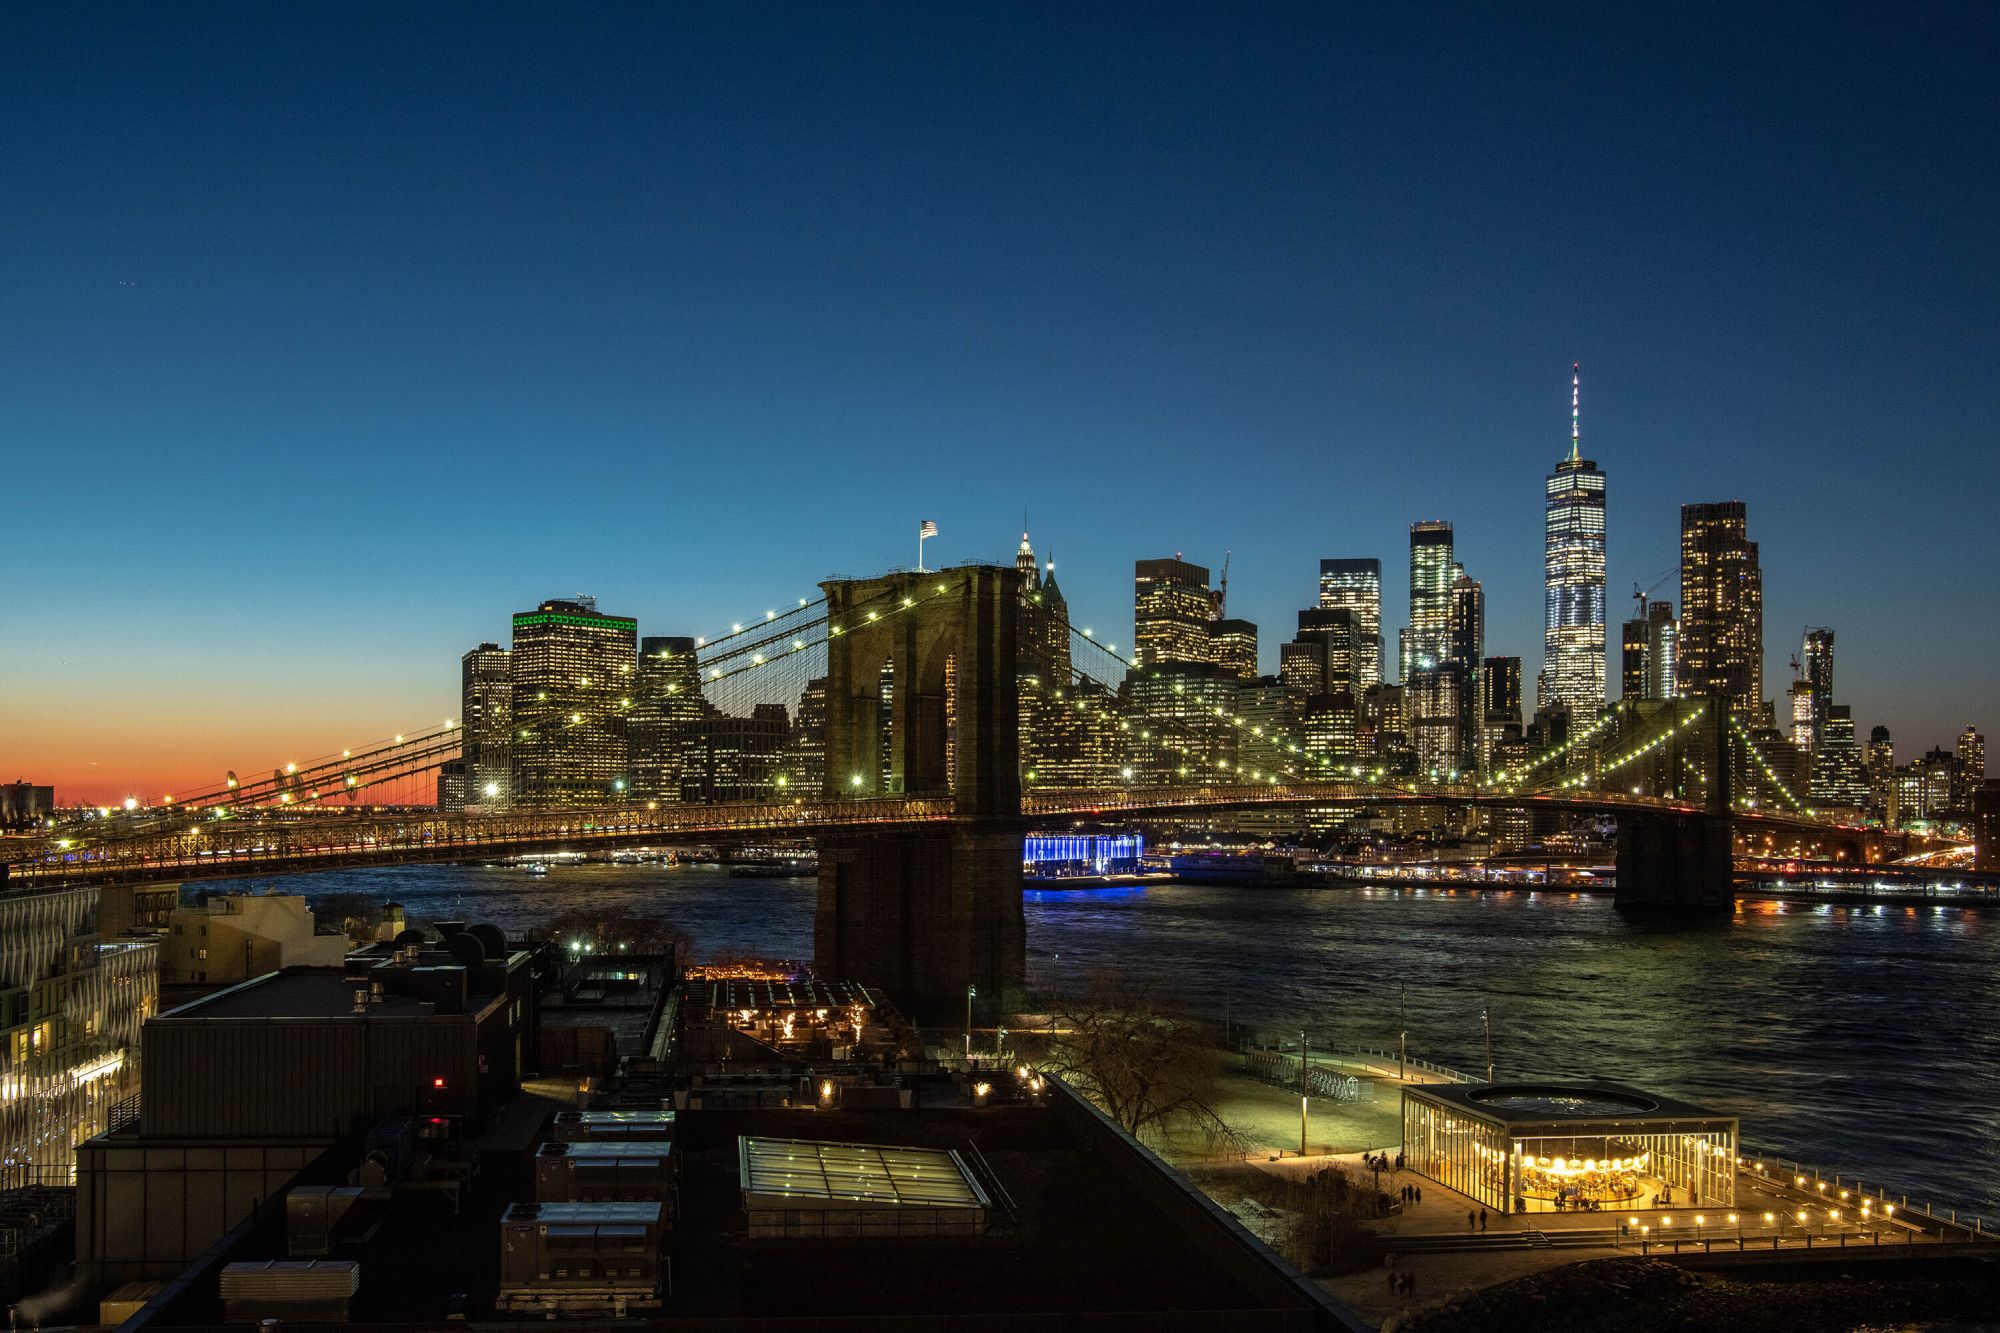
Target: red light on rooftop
(437, 1083)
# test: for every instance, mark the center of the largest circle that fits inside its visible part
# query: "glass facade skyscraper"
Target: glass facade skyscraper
(1816, 659)
(1427, 641)
(1573, 604)
(1356, 586)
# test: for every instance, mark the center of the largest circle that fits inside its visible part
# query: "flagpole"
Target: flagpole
(920, 548)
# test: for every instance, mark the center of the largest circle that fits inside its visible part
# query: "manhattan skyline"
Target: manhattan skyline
(740, 314)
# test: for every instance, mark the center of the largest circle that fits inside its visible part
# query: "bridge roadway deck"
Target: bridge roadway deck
(268, 842)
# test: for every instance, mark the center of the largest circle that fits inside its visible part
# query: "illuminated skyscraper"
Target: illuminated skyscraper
(1466, 650)
(1499, 708)
(1435, 702)
(1969, 765)
(1573, 562)
(1467, 640)
(1722, 607)
(1882, 774)
(1170, 610)
(486, 715)
(1816, 661)
(573, 690)
(667, 703)
(1427, 640)
(1648, 644)
(1801, 715)
(1330, 637)
(1838, 776)
(1356, 586)
(1233, 644)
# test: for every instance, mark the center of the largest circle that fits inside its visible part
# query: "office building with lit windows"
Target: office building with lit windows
(71, 1007)
(1499, 692)
(486, 722)
(1427, 640)
(1355, 586)
(667, 704)
(1816, 667)
(1573, 568)
(1799, 715)
(1331, 637)
(1969, 765)
(1233, 645)
(1882, 775)
(1435, 702)
(729, 758)
(1170, 612)
(1330, 724)
(1721, 646)
(1191, 703)
(573, 673)
(1839, 778)
(1648, 653)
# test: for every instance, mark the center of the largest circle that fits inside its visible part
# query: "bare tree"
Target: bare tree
(614, 930)
(1149, 1068)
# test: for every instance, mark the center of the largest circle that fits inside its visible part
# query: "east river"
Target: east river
(1863, 1039)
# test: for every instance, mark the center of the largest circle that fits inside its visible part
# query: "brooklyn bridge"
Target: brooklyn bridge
(927, 789)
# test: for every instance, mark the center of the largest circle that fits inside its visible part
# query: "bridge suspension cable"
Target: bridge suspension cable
(1278, 758)
(1785, 793)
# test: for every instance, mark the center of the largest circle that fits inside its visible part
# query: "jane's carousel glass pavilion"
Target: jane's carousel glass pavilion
(1523, 1148)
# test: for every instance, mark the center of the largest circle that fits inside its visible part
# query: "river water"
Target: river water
(1863, 1039)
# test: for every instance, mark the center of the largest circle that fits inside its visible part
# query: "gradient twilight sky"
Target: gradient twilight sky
(331, 335)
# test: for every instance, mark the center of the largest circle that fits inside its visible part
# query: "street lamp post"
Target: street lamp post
(1402, 1032)
(1303, 1094)
(970, 991)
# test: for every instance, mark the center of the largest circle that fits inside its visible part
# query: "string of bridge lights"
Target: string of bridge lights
(1332, 768)
(237, 790)
(1603, 720)
(1637, 753)
(795, 639)
(1777, 783)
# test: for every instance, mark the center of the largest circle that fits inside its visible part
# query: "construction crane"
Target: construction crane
(1219, 601)
(1639, 595)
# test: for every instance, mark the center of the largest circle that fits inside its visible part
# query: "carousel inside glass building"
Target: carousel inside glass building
(1579, 1147)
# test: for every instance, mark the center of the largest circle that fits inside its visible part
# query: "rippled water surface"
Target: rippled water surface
(1860, 1038)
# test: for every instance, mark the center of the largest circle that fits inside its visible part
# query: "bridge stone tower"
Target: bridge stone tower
(921, 702)
(1685, 863)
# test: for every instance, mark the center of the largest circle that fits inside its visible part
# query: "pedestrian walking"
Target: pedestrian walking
(1471, 1220)
(1482, 1219)
(1409, 1284)
(1420, 1196)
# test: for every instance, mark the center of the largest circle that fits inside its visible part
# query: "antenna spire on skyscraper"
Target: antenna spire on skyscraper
(1575, 410)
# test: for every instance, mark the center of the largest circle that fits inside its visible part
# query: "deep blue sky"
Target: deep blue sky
(330, 336)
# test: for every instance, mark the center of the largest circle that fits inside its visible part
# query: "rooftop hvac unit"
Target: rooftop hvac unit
(611, 1126)
(308, 1290)
(313, 1214)
(580, 1258)
(624, 1170)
